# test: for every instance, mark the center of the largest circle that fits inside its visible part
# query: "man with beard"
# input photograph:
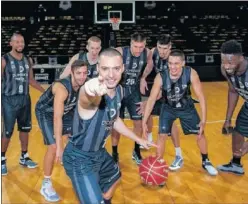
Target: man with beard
(54, 112)
(234, 68)
(17, 75)
(135, 59)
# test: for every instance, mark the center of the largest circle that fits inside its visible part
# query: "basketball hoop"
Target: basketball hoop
(115, 23)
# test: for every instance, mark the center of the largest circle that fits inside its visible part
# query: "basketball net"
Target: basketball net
(115, 23)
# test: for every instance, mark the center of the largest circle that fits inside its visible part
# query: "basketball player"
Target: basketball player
(234, 68)
(160, 56)
(135, 58)
(93, 172)
(175, 84)
(91, 57)
(54, 112)
(17, 75)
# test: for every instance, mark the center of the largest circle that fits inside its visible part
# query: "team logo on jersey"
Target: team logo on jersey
(13, 67)
(21, 68)
(177, 89)
(112, 112)
(26, 66)
(246, 84)
(134, 65)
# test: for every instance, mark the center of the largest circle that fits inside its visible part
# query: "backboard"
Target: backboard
(104, 10)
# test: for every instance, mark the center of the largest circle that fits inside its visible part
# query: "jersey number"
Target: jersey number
(21, 89)
(130, 82)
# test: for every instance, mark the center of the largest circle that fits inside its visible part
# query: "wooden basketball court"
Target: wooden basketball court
(191, 184)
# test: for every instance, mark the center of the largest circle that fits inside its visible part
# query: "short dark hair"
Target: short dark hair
(231, 47)
(78, 63)
(177, 53)
(164, 39)
(110, 52)
(16, 33)
(138, 37)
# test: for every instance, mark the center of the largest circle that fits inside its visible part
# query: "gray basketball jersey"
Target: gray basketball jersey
(15, 78)
(176, 93)
(90, 135)
(45, 103)
(159, 64)
(240, 83)
(92, 70)
(134, 67)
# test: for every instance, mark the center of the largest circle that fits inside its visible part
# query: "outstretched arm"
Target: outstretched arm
(120, 127)
(91, 93)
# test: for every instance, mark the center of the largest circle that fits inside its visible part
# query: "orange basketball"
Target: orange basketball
(153, 171)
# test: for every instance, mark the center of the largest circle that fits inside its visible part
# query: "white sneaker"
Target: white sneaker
(48, 191)
(209, 168)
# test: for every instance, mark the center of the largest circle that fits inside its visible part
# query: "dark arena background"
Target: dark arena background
(54, 31)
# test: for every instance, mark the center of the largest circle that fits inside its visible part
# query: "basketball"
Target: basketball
(153, 171)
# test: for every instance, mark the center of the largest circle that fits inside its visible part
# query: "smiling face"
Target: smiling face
(175, 64)
(17, 43)
(231, 62)
(80, 75)
(111, 69)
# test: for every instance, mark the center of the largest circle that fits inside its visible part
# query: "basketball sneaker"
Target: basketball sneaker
(28, 162)
(176, 164)
(115, 157)
(4, 166)
(137, 157)
(48, 191)
(209, 168)
(232, 168)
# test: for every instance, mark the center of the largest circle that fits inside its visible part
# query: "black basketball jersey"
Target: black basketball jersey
(159, 64)
(45, 103)
(92, 70)
(90, 135)
(240, 83)
(15, 80)
(134, 67)
(176, 93)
